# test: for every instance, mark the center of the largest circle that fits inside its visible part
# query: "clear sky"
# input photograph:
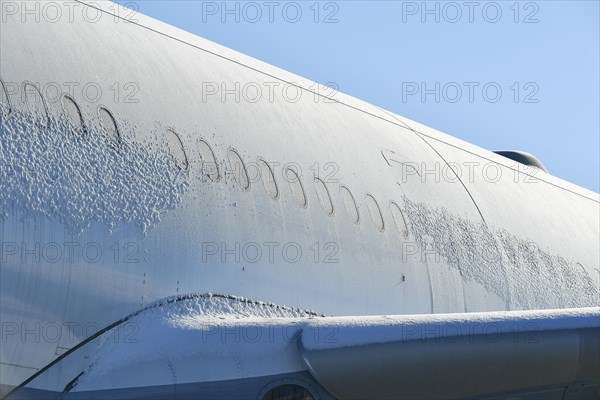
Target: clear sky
(502, 75)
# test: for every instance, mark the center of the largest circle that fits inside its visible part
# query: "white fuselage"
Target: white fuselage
(89, 236)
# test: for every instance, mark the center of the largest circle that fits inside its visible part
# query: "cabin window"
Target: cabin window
(177, 150)
(268, 179)
(374, 212)
(210, 167)
(73, 114)
(296, 187)
(110, 129)
(239, 169)
(349, 204)
(5, 107)
(36, 104)
(398, 218)
(323, 195)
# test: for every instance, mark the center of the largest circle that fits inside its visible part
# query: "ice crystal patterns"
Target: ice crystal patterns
(78, 177)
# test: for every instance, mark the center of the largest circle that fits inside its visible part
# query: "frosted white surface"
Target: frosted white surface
(355, 331)
(511, 267)
(202, 338)
(51, 172)
(223, 331)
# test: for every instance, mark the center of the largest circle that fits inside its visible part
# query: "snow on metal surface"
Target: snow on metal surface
(195, 327)
(519, 271)
(51, 172)
(206, 305)
(356, 331)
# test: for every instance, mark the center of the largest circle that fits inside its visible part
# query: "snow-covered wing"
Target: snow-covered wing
(455, 355)
(210, 346)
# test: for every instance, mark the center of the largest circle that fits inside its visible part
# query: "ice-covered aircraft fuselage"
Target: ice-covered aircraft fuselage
(141, 163)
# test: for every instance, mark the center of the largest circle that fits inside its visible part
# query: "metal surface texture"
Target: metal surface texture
(174, 187)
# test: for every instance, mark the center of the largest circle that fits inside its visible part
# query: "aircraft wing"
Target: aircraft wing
(186, 348)
(457, 355)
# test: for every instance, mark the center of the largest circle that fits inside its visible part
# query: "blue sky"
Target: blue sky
(542, 55)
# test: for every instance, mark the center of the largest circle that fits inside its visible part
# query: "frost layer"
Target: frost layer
(79, 177)
(518, 271)
(178, 327)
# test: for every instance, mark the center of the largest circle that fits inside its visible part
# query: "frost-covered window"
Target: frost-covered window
(209, 162)
(239, 169)
(73, 114)
(36, 104)
(109, 127)
(5, 106)
(177, 150)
